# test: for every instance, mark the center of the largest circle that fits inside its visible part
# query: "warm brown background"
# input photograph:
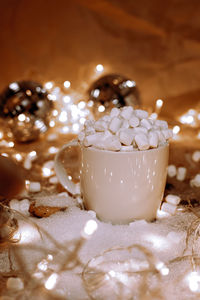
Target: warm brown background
(155, 42)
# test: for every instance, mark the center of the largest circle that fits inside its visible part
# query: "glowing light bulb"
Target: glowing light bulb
(99, 68)
(130, 83)
(18, 156)
(11, 144)
(90, 103)
(63, 116)
(65, 129)
(32, 154)
(89, 228)
(52, 97)
(186, 119)
(42, 265)
(55, 113)
(46, 172)
(75, 127)
(67, 84)
(81, 105)
(22, 117)
(176, 129)
(14, 86)
(48, 85)
(101, 108)
(159, 103)
(67, 99)
(53, 150)
(194, 281)
(82, 120)
(96, 93)
(4, 154)
(52, 123)
(51, 281)
(1, 135)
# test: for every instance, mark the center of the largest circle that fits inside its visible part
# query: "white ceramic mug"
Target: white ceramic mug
(119, 186)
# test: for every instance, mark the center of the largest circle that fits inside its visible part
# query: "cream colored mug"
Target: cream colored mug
(119, 186)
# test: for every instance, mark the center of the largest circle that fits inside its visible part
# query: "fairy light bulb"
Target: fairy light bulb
(89, 228)
(48, 85)
(176, 129)
(51, 281)
(99, 68)
(67, 84)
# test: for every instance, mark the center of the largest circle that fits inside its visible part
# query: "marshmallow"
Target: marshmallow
(91, 139)
(171, 170)
(53, 180)
(89, 123)
(173, 199)
(112, 143)
(167, 133)
(196, 156)
(14, 204)
(153, 139)
(142, 141)
(162, 124)
(81, 136)
(134, 121)
(139, 130)
(127, 148)
(24, 207)
(34, 187)
(100, 125)
(161, 137)
(195, 182)
(89, 130)
(125, 124)
(181, 173)
(115, 124)
(15, 284)
(120, 128)
(146, 123)
(106, 118)
(141, 114)
(114, 112)
(126, 112)
(169, 208)
(126, 136)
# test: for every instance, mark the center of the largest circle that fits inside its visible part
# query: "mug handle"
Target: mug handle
(73, 188)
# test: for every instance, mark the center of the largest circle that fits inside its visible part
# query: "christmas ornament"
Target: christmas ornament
(112, 90)
(12, 180)
(26, 106)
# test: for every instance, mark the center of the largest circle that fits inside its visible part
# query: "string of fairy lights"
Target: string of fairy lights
(68, 116)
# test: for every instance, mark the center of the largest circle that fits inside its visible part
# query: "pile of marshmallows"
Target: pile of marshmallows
(125, 129)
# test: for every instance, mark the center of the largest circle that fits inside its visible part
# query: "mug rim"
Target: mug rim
(93, 149)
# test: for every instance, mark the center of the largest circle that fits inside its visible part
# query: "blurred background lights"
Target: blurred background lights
(66, 99)
(176, 129)
(130, 83)
(99, 68)
(48, 85)
(67, 84)
(159, 103)
(63, 116)
(101, 108)
(14, 86)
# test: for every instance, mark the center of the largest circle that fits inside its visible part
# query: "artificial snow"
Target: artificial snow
(55, 235)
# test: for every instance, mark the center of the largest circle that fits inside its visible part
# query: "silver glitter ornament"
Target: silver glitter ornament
(110, 91)
(26, 107)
